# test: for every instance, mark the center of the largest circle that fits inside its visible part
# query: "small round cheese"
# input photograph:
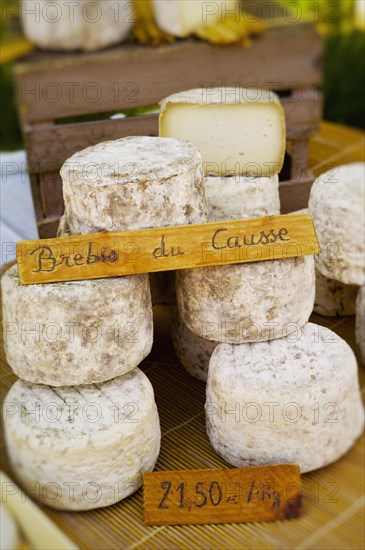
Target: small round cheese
(82, 447)
(360, 323)
(292, 400)
(333, 297)
(81, 25)
(248, 302)
(9, 533)
(78, 332)
(193, 352)
(134, 183)
(337, 205)
(236, 197)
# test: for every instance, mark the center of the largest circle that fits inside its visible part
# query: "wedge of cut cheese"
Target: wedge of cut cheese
(336, 203)
(249, 302)
(360, 323)
(81, 25)
(134, 183)
(79, 332)
(83, 447)
(292, 400)
(236, 197)
(238, 131)
(183, 17)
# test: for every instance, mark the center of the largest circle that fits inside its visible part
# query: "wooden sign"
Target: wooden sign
(110, 254)
(260, 493)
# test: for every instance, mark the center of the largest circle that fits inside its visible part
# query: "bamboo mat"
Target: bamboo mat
(333, 497)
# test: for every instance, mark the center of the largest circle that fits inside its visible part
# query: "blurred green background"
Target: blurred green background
(344, 69)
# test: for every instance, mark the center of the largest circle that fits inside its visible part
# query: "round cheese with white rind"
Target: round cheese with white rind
(76, 332)
(9, 532)
(334, 298)
(337, 205)
(247, 302)
(134, 183)
(236, 197)
(292, 400)
(81, 25)
(360, 323)
(193, 351)
(83, 447)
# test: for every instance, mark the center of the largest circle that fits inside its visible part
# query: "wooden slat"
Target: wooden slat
(133, 76)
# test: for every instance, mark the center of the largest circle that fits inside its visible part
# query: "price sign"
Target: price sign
(234, 495)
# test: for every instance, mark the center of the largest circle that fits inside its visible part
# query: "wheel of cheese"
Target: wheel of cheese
(291, 400)
(193, 351)
(337, 205)
(83, 447)
(236, 197)
(81, 25)
(238, 131)
(134, 183)
(79, 332)
(334, 298)
(248, 302)
(360, 323)
(9, 532)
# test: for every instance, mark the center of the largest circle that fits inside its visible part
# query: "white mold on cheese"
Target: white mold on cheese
(83, 447)
(78, 332)
(134, 183)
(292, 400)
(337, 205)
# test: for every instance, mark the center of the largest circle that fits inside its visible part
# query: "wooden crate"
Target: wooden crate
(52, 87)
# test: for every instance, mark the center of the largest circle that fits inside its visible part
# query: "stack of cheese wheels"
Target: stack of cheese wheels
(77, 345)
(228, 198)
(82, 25)
(241, 134)
(333, 297)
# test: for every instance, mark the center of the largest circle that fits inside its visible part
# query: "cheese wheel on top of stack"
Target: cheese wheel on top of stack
(76, 332)
(337, 205)
(82, 447)
(292, 400)
(238, 131)
(133, 183)
(81, 25)
(360, 323)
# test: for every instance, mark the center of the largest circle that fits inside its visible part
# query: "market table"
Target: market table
(333, 497)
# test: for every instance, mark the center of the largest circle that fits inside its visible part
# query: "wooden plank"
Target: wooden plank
(110, 254)
(237, 495)
(49, 147)
(51, 191)
(294, 194)
(53, 86)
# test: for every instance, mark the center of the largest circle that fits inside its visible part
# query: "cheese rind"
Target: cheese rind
(248, 302)
(82, 447)
(183, 17)
(238, 131)
(79, 332)
(81, 25)
(292, 400)
(134, 183)
(236, 197)
(360, 323)
(337, 205)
